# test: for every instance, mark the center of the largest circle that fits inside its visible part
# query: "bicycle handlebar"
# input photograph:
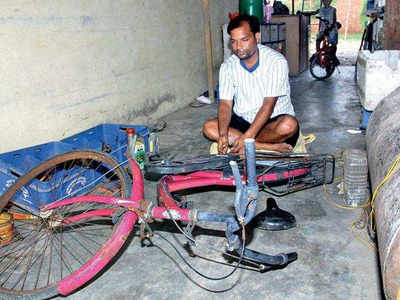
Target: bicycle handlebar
(235, 242)
(322, 19)
(329, 27)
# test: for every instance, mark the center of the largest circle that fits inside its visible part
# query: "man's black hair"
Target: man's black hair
(238, 21)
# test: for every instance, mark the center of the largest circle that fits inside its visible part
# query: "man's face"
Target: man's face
(327, 2)
(243, 41)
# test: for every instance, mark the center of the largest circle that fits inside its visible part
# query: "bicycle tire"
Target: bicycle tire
(326, 70)
(46, 244)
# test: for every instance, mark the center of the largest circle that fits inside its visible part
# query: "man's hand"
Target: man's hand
(224, 117)
(238, 145)
(223, 144)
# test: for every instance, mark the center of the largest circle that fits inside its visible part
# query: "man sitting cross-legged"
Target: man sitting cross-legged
(254, 95)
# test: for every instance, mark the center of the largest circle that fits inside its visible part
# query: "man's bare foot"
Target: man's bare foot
(279, 147)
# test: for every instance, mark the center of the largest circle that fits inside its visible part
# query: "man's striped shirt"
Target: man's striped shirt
(248, 88)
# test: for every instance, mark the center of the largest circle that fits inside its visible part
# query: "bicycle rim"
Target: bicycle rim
(50, 247)
(322, 66)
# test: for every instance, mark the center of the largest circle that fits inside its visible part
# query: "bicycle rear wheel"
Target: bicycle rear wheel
(69, 244)
(322, 65)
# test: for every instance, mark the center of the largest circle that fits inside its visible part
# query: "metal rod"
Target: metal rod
(250, 162)
(208, 45)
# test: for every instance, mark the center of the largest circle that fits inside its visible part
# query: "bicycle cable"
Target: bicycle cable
(194, 269)
(174, 221)
(188, 276)
(241, 257)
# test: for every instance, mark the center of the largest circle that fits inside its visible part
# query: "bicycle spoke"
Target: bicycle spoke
(22, 247)
(16, 263)
(67, 251)
(41, 262)
(61, 256)
(50, 261)
(33, 261)
(84, 235)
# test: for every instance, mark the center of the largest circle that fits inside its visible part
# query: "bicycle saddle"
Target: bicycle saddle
(273, 218)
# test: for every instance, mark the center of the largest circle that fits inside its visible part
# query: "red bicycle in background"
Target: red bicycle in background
(89, 205)
(323, 62)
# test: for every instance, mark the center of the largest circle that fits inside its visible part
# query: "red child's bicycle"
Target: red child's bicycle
(323, 62)
(70, 215)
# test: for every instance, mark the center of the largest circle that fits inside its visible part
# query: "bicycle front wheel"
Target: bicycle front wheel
(54, 252)
(322, 66)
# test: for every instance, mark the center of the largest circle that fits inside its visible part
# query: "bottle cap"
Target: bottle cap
(130, 131)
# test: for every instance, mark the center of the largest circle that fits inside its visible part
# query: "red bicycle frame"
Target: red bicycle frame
(173, 183)
(136, 209)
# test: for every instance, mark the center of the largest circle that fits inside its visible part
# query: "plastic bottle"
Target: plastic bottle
(356, 185)
(136, 148)
(252, 8)
(131, 136)
(268, 10)
(140, 154)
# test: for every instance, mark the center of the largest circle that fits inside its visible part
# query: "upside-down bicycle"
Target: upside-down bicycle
(72, 213)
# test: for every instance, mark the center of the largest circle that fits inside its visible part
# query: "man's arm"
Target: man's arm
(261, 118)
(224, 118)
(334, 17)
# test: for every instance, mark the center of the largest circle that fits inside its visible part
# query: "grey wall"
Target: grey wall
(67, 65)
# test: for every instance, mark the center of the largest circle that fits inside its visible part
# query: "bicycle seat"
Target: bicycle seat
(274, 218)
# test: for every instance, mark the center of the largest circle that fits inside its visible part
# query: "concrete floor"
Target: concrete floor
(331, 263)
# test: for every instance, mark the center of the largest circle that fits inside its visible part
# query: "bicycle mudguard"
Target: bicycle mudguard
(200, 163)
